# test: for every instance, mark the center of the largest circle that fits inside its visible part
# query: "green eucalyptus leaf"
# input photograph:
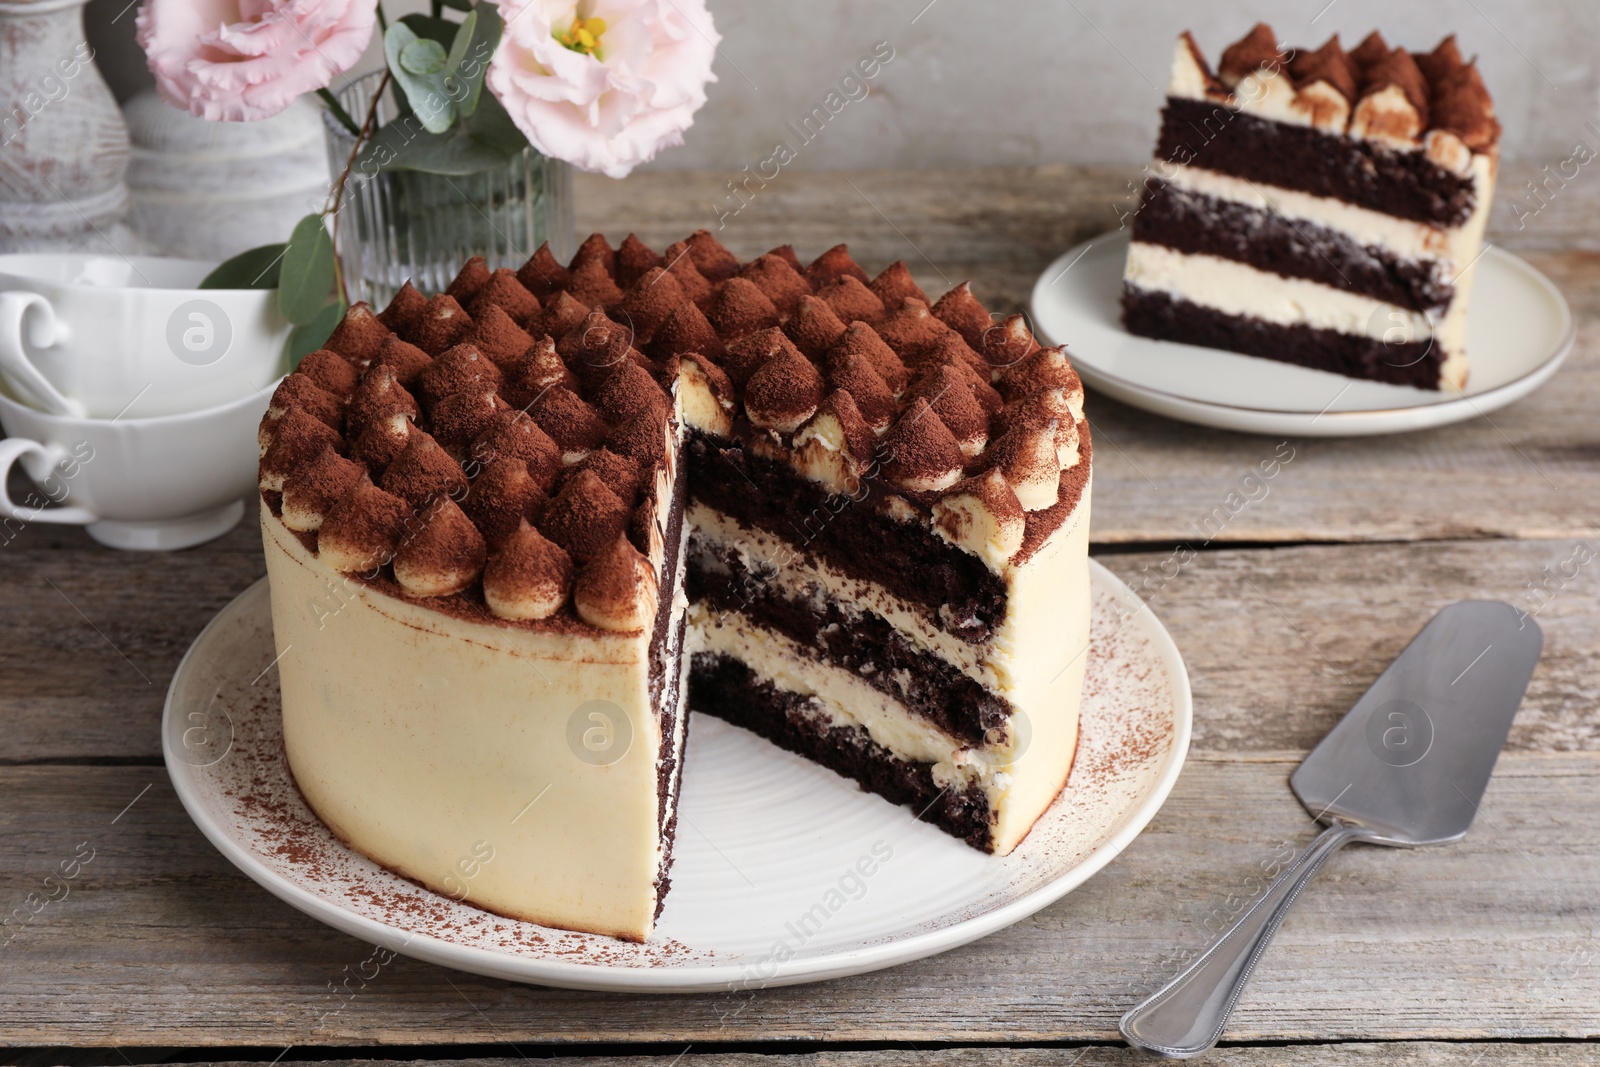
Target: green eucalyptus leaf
(429, 28)
(457, 87)
(487, 140)
(423, 57)
(395, 40)
(459, 5)
(474, 46)
(310, 336)
(492, 127)
(255, 269)
(425, 93)
(430, 102)
(306, 274)
(463, 37)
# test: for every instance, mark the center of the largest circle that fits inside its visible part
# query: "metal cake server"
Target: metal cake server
(1406, 767)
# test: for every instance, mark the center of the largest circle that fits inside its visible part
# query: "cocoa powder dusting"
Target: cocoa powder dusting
(832, 265)
(585, 516)
(330, 372)
(405, 359)
(468, 280)
(851, 300)
(505, 292)
(440, 324)
(403, 310)
(543, 274)
(498, 336)
(739, 308)
(895, 286)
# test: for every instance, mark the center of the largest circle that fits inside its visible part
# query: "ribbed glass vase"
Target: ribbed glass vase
(398, 224)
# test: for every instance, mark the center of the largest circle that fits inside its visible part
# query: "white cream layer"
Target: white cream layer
(1467, 247)
(1235, 288)
(847, 699)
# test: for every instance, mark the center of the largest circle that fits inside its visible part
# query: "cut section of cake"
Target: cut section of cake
(883, 587)
(514, 531)
(1321, 208)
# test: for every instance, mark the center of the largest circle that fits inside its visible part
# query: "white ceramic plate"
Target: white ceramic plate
(767, 847)
(1519, 330)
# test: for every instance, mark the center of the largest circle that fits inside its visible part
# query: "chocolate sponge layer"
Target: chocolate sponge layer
(725, 687)
(1155, 314)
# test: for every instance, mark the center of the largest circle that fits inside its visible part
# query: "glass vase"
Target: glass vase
(397, 224)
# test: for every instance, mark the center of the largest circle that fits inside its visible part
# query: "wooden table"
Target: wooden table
(1487, 948)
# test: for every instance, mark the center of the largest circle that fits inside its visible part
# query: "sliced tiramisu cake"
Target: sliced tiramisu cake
(1322, 208)
(512, 530)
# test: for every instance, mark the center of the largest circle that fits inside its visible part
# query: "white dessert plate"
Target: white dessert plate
(782, 871)
(1519, 331)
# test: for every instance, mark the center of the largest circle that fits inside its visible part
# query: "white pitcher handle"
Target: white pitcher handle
(15, 448)
(14, 361)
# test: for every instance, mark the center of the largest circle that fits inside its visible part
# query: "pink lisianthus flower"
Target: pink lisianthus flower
(242, 60)
(603, 84)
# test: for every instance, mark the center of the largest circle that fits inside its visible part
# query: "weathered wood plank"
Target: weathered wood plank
(1279, 643)
(1399, 1054)
(161, 942)
(1526, 471)
(1523, 472)
(90, 638)
(1012, 221)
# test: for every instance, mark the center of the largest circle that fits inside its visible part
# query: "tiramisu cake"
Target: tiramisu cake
(1323, 208)
(515, 530)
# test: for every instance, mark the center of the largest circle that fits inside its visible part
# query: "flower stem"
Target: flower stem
(336, 195)
(383, 22)
(338, 111)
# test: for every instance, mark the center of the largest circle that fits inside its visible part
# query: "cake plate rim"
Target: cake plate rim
(1044, 308)
(693, 978)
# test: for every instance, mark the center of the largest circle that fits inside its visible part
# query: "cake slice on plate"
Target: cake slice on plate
(515, 530)
(1322, 208)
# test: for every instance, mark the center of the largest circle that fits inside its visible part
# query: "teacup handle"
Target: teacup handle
(15, 448)
(14, 362)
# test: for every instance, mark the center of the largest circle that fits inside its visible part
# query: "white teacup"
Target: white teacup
(155, 484)
(100, 337)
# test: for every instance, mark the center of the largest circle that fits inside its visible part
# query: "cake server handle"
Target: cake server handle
(1186, 1016)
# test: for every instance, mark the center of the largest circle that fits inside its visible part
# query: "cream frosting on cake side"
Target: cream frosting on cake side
(442, 747)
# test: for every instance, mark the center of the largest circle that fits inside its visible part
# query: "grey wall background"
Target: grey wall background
(977, 83)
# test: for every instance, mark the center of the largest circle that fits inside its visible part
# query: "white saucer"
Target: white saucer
(764, 884)
(1519, 330)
